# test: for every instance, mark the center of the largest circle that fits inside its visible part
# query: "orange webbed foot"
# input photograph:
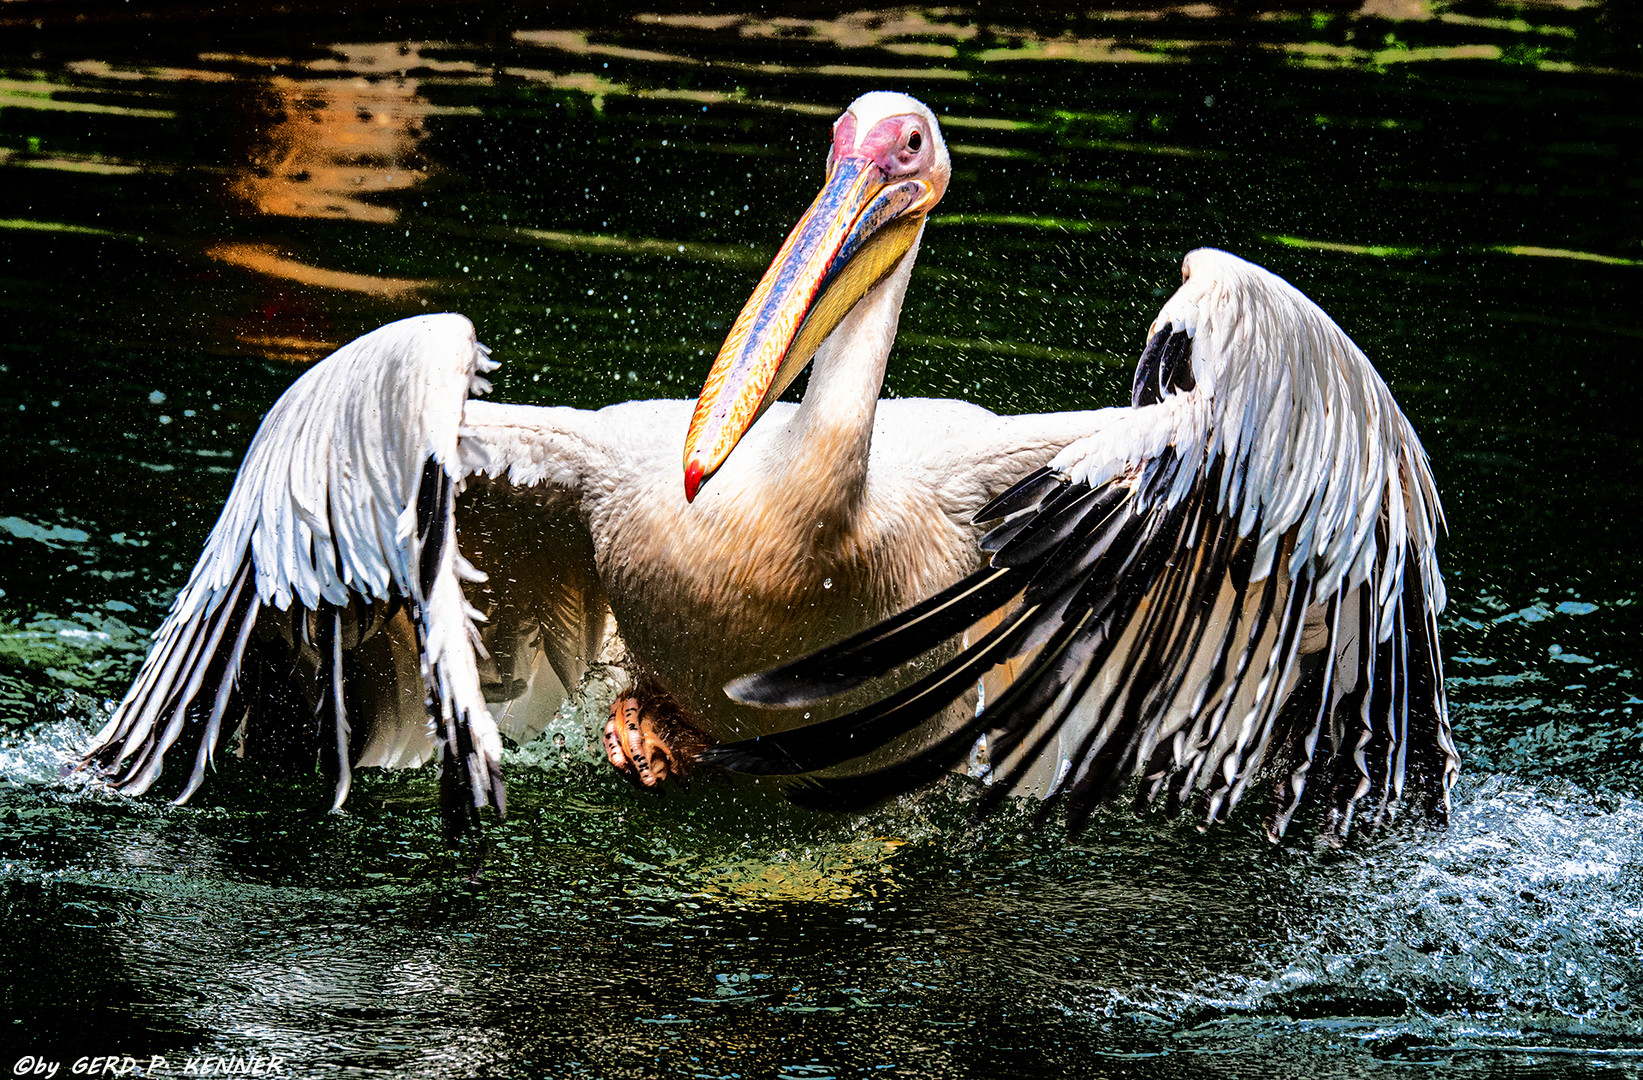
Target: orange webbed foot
(648, 740)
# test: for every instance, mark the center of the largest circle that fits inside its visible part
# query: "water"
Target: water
(196, 206)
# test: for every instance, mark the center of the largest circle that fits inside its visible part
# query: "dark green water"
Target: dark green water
(193, 205)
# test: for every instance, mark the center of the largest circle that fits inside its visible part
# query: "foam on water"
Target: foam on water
(1516, 931)
(40, 756)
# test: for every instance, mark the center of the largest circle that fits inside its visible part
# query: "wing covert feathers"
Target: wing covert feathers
(337, 540)
(1236, 581)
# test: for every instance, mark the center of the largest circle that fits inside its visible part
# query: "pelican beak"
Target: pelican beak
(853, 235)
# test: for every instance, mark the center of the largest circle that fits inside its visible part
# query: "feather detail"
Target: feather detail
(1163, 573)
(343, 510)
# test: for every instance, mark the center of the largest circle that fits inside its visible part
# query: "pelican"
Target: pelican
(1230, 578)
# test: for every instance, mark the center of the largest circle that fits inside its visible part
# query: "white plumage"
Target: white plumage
(1185, 579)
(323, 515)
(1256, 534)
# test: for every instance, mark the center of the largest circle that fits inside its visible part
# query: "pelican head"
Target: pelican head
(887, 167)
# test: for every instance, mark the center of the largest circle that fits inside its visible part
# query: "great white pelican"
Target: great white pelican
(1232, 578)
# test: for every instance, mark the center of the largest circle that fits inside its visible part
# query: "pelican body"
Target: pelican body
(404, 571)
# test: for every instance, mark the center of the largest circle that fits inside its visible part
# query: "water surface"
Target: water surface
(198, 205)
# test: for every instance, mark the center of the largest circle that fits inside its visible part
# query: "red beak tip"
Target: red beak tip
(693, 480)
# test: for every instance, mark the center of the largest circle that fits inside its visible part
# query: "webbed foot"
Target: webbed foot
(648, 739)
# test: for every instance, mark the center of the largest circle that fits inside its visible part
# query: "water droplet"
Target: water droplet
(827, 583)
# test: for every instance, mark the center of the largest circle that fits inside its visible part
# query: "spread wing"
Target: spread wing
(1233, 578)
(523, 525)
(326, 618)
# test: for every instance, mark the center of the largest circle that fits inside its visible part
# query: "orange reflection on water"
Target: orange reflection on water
(337, 142)
(329, 138)
(265, 259)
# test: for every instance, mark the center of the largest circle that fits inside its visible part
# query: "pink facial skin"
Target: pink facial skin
(898, 145)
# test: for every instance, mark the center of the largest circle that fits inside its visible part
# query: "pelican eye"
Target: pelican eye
(914, 141)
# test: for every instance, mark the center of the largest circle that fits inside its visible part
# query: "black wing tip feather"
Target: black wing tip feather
(1105, 771)
(880, 648)
(788, 686)
(463, 795)
(246, 676)
(201, 691)
(433, 505)
(1024, 494)
(758, 756)
(1165, 367)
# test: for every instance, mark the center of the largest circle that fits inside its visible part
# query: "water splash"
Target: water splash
(43, 754)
